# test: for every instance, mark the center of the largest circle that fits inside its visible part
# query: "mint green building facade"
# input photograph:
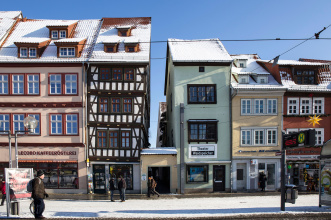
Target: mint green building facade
(197, 89)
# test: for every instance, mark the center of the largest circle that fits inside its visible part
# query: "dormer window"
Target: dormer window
(55, 35)
(110, 47)
(243, 79)
(67, 52)
(31, 47)
(304, 77)
(242, 63)
(124, 31)
(262, 79)
(131, 45)
(70, 47)
(63, 34)
(63, 29)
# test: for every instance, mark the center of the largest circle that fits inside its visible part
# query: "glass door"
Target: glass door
(99, 178)
(271, 176)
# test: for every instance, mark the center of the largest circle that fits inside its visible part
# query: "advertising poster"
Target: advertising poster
(325, 191)
(16, 182)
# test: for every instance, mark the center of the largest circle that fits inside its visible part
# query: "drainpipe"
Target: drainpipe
(230, 109)
(182, 164)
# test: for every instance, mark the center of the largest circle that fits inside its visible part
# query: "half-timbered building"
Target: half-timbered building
(118, 97)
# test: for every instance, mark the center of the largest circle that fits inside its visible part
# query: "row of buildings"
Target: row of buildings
(87, 82)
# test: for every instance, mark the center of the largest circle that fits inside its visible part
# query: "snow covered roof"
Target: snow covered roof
(206, 50)
(295, 62)
(159, 150)
(70, 40)
(7, 20)
(36, 30)
(252, 69)
(140, 32)
(32, 40)
(62, 23)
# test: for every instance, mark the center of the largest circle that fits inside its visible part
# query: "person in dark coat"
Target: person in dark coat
(38, 195)
(3, 191)
(262, 179)
(112, 188)
(149, 187)
(121, 188)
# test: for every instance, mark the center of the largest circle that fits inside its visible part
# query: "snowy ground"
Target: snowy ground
(172, 207)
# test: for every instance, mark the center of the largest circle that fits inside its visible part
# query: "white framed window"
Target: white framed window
(272, 106)
(271, 136)
(67, 52)
(18, 122)
(33, 84)
(71, 84)
(32, 52)
(259, 106)
(245, 106)
(4, 123)
(23, 52)
(3, 84)
(62, 34)
(243, 79)
(246, 137)
(55, 34)
(259, 136)
(18, 84)
(262, 79)
(319, 136)
(305, 106)
(56, 124)
(71, 124)
(318, 106)
(292, 106)
(55, 84)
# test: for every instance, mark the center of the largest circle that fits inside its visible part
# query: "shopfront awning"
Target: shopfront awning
(47, 161)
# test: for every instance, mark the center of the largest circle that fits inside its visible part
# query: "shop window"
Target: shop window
(197, 174)
(126, 171)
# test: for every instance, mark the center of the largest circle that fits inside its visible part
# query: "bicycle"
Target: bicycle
(31, 207)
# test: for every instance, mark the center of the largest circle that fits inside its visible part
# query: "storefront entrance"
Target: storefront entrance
(241, 176)
(99, 178)
(162, 178)
(218, 178)
(270, 170)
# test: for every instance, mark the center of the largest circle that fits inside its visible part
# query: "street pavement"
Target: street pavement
(264, 205)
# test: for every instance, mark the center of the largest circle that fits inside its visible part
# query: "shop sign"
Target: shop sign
(16, 182)
(203, 151)
(301, 157)
(299, 139)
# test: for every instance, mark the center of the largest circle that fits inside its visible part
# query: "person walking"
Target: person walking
(262, 179)
(3, 191)
(38, 195)
(112, 188)
(149, 187)
(154, 186)
(121, 188)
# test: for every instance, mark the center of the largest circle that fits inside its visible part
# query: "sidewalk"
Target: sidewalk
(262, 206)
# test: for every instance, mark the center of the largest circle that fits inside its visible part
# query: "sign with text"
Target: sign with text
(16, 182)
(202, 150)
(299, 139)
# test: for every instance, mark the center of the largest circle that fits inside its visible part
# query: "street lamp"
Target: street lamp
(30, 123)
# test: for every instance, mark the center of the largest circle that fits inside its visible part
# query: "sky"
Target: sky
(227, 20)
(173, 208)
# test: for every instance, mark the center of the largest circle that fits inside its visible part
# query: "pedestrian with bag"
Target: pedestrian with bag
(121, 188)
(262, 179)
(38, 195)
(112, 188)
(3, 191)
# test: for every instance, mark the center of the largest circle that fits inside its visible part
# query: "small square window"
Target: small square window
(55, 34)
(62, 34)
(32, 52)
(201, 69)
(110, 49)
(24, 52)
(130, 49)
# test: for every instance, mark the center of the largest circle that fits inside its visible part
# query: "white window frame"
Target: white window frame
(18, 84)
(319, 136)
(247, 133)
(25, 53)
(55, 82)
(321, 106)
(18, 124)
(257, 110)
(4, 84)
(33, 84)
(71, 84)
(252, 136)
(57, 124)
(262, 79)
(64, 52)
(305, 109)
(53, 33)
(4, 123)
(62, 34)
(73, 124)
(248, 105)
(296, 105)
(31, 53)
(37, 117)
(272, 104)
(243, 79)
